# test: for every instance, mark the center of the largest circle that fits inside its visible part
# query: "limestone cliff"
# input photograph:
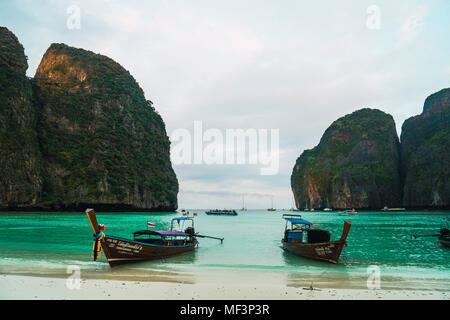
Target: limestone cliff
(426, 154)
(103, 144)
(79, 134)
(355, 165)
(20, 159)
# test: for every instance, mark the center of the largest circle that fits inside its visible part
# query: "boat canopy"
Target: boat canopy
(298, 221)
(162, 233)
(182, 218)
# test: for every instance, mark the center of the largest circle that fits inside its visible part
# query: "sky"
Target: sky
(293, 66)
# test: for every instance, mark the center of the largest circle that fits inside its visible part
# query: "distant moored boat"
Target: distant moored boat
(223, 212)
(393, 209)
(352, 212)
(272, 208)
(243, 205)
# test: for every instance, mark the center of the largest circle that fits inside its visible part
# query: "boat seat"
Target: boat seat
(295, 236)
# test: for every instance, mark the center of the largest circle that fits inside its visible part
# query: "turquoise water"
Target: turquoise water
(46, 243)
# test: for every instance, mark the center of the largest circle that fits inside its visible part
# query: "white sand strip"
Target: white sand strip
(31, 287)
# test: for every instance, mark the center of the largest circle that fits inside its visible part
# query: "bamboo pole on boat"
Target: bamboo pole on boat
(202, 236)
(425, 235)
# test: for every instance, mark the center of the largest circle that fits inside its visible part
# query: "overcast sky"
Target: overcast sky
(290, 65)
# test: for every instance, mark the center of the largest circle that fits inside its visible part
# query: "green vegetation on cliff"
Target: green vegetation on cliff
(426, 154)
(12, 54)
(96, 140)
(355, 165)
(20, 166)
(101, 140)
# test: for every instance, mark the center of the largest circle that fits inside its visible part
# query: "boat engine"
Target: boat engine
(317, 236)
(190, 231)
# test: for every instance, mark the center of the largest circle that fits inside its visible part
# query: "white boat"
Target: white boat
(393, 209)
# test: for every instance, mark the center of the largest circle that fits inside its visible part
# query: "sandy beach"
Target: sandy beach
(44, 288)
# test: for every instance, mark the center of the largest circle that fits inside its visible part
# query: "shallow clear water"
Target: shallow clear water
(45, 243)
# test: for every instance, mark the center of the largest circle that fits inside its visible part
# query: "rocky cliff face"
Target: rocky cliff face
(20, 159)
(102, 142)
(81, 133)
(355, 165)
(12, 54)
(426, 154)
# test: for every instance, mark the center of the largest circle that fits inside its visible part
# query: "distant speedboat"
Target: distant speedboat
(327, 209)
(352, 212)
(223, 212)
(393, 209)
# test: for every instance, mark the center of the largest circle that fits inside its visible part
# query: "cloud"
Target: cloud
(413, 23)
(295, 66)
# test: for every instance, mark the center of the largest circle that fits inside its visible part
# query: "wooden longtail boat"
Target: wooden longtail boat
(306, 240)
(146, 245)
(443, 235)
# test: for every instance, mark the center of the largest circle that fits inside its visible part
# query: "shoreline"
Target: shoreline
(398, 279)
(125, 209)
(349, 279)
(15, 287)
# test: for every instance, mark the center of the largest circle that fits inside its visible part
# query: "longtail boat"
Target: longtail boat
(146, 245)
(306, 240)
(443, 237)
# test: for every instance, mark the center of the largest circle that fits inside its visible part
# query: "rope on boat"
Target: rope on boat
(303, 228)
(97, 247)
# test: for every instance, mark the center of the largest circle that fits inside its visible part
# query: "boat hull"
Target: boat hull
(221, 214)
(444, 243)
(326, 251)
(120, 251)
